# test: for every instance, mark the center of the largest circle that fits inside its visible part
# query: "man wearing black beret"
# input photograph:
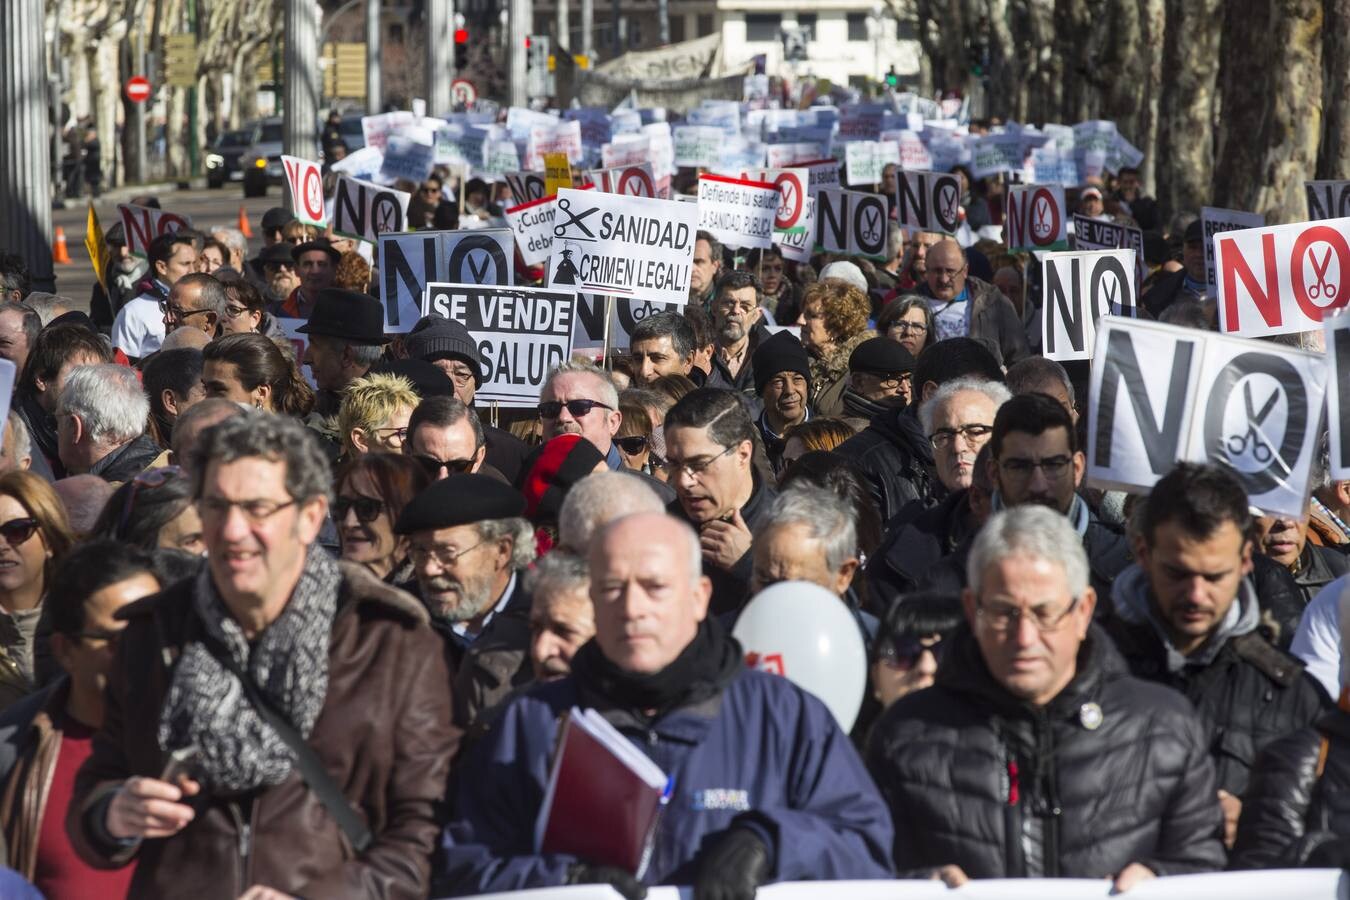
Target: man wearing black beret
(879, 375)
(782, 372)
(469, 547)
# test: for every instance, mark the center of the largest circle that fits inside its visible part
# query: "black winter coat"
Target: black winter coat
(909, 549)
(897, 459)
(1291, 809)
(731, 587)
(976, 778)
(1251, 694)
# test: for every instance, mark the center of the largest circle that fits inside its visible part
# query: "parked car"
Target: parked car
(224, 156)
(262, 161)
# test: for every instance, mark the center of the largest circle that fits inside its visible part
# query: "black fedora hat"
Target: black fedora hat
(317, 243)
(347, 315)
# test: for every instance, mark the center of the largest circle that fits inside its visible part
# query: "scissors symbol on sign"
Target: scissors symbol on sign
(565, 206)
(1042, 223)
(1322, 287)
(1237, 445)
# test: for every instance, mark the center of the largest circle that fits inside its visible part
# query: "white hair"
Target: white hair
(232, 238)
(519, 531)
(997, 393)
(598, 499)
(1031, 531)
(609, 394)
(828, 516)
(109, 401)
(557, 572)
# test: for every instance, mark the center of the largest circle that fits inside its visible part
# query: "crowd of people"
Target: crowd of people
(304, 626)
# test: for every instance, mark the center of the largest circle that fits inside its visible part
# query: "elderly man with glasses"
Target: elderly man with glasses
(1036, 754)
(196, 301)
(965, 306)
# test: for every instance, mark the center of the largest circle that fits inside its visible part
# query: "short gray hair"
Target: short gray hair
(557, 572)
(109, 401)
(828, 516)
(362, 354)
(997, 393)
(610, 394)
(232, 238)
(1029, 375)
(692, 548)
(598, 499)
(211, 294)
(45, 304)
(518, 530)
(1031, 531)
(277, 438)
(21, 443)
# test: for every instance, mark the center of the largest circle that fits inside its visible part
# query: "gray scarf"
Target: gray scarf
(206, 704)
(1132, 598)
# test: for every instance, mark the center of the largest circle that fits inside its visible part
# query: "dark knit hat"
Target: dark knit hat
(277, 217)
(459, 500)
(881, 356)
(780, 353)
(436, 337)
(561, 463)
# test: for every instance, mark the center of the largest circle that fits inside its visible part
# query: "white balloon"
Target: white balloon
(801, 630)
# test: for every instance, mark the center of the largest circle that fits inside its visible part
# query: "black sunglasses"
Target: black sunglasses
(17, 531)
(368, 509)
(632, 445)
(550, 409)
(433, 465)
(902, 652)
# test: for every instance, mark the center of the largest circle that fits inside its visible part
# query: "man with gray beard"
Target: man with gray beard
(469, 548)
(738, 329)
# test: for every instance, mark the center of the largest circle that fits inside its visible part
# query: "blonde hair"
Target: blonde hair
(368, 402)
(844, 307)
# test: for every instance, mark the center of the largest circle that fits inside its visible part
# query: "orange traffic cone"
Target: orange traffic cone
(243, 223)
(60, 253)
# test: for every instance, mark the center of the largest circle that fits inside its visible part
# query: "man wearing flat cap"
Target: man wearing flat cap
(879, 375)
(346, 338)
(782, 372)
(469, 547)
(446, 344)
(316, 263)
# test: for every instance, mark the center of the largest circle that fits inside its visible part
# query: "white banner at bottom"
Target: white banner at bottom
(1306, 884)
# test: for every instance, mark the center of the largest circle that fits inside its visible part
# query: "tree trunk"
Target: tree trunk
(1152, 17)
(1005, 73)
(1045, 82)
(1272, 117)
(1186, 106)
(1333, 157)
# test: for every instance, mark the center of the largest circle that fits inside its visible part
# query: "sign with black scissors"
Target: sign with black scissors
(1254, 437)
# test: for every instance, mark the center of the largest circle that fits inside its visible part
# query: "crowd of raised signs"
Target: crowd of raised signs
(916, 495)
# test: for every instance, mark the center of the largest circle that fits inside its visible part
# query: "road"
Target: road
(206, 209)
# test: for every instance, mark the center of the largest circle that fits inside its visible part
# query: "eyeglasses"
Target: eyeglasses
(109, 637)
(695, 468)
(177, 312)
(234, 312)
(434, 465)
(1003, 618)
(368, 509)
(945, 274)
(18, 531)
(945, 437)
(550, 409)
(445, 556)
(1019, 469)
(894, 380)
(461, 376)
(397, 434)
(147, 480)
(903, 652)
(430, 190)
(906, 328)
(256, 511)
(633, 444)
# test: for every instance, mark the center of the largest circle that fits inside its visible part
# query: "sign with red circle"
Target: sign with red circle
(463, 92)
(791, 197)
(137, 89)
(636, 181)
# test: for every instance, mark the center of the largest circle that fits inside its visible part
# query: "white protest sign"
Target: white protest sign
(500, 156)
(1338, 393)
(1282, 279)
(851, 222)
(376, 129)
(995, 153)
(778, 156)
(299, 342)
(8, 372)
(1095, 234)
(1036, 218)
(626, 150)
(361, 163)
(564, 137)
(738, 212)
(928, 201)
(407, 158)
(305, 179)
(588, 330)
(623, 245)
(412, 260)
(865, 160)
(526, 187)
(697, 146)
(636, 181)
(860, 122)
(1327, 199)
(1163, 393)
(365, 211)
(1217, 221)
(798, 241)
(532, 225)
(821, 174)
(142, 224)
(1077, 290)
(521, 333)
(789, 218)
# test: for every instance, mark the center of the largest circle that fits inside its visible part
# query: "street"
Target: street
(206, 209)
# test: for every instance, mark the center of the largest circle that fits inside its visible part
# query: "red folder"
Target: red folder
(604, 796)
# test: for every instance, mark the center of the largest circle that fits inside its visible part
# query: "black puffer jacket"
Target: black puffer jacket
(909, 549)
(978, 779)
(897, 459)
(1291, 810)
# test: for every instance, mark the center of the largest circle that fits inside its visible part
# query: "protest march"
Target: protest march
(716, 498)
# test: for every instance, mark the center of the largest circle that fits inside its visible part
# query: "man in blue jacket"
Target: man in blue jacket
(766, 786)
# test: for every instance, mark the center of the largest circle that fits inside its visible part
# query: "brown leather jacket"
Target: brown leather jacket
(384, 734)
(24, 801)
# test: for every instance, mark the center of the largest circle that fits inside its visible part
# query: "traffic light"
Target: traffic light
(892, 79)
(461, 49)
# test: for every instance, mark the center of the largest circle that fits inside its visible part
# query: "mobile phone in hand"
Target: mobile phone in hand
(181, 762)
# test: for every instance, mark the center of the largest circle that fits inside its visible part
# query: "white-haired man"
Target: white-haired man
(100, 423)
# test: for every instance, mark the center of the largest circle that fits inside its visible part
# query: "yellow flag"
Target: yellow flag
(97, 246)
(557, 173)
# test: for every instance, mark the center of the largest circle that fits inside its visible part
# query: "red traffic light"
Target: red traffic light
(461, 36)
(527, 42)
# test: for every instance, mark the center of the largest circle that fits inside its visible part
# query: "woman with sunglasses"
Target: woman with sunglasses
(246, 310)
(34, 533)
(907, 651)
(634, 436)
(154, 511)
(372, 490)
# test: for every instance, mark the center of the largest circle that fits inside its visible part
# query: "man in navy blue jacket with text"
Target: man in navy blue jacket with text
(766, 786)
